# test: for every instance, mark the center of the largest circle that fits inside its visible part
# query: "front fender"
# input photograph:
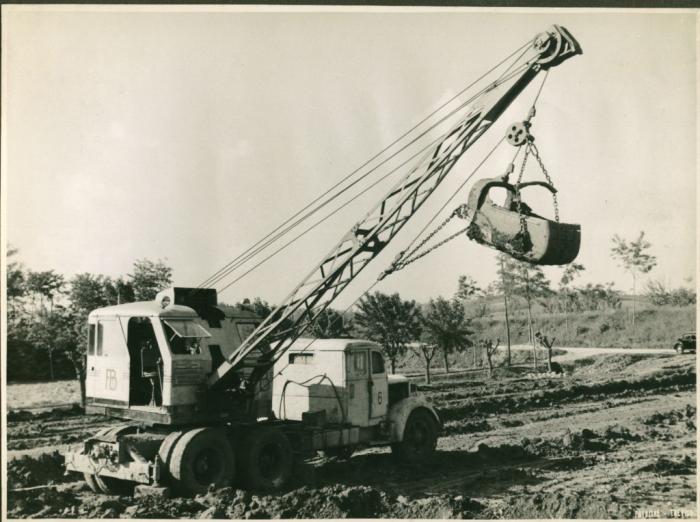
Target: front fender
(401, 410)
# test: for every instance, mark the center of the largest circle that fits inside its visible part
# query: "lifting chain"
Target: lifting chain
(404, 259)
(536, 153)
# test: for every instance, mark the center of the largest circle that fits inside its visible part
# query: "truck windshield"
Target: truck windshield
(184, 336)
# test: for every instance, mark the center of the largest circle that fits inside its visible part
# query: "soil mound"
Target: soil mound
(28, 471)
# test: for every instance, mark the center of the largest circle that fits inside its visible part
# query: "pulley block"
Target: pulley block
(518, 133)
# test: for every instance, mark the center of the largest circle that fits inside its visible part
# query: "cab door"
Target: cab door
(108, 368)
(358, 387)
(379, 387)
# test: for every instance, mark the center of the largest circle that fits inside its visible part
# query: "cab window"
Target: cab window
(184, 336)
(91, 339)
(100, 337)
(245, 329)
(357, 363)
(301, 358)
(377, 362)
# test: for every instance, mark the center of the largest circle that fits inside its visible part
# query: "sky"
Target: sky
(187, 135)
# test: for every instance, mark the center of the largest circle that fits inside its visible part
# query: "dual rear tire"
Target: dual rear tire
(201, 458)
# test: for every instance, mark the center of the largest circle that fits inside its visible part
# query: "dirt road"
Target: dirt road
(615, 438)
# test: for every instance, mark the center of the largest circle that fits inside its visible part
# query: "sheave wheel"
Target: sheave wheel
(419, 438)
(200, 458)
(342, 453)
(268, 459)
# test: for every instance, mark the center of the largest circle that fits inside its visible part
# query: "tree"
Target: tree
(447, 326)
(261, 308)
(389, 321)
(660, 295)
(490, 349)
(330, 324)
(427, 351)
(530, 282)
(634, 258)
(88, 292)
(502, 284)
(16, 284)
(524, 280)
(466, 288)
(571, 272)
(547, 343)
(45, 285)
(63, 329)
(149, 278)
(118, 291)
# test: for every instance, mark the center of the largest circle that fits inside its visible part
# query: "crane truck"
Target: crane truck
(212, 396)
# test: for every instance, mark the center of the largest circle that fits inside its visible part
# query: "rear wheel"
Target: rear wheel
(268, 460)
(200, 458)
(419, 438)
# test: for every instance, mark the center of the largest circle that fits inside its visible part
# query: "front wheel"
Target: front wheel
(679, 348)
(419, 438)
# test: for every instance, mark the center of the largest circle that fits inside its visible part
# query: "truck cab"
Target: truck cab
(345, 383)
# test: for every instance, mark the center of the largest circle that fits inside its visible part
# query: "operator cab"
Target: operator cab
(150, 360)
(134, 349)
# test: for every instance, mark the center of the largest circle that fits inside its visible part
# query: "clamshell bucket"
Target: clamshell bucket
(540, 241)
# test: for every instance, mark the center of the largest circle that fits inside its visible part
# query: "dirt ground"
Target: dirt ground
(613, 438)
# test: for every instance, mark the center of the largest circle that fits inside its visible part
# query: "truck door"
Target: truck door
(357, 371)
(379, 386)
(108, 368)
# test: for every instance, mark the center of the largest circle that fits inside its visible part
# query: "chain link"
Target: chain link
(536, 153)
(518, 201)
(404, 259)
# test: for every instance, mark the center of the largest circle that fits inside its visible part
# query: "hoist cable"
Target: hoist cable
(327, 216)
(254, 250)
(461, 186)
(207, 281)
(539, 91)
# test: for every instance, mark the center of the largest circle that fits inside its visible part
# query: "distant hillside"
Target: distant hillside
(656, 327)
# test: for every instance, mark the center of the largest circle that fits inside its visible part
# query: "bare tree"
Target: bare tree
(427, 351)
(547, 343)
(571, 272)
(490, 348)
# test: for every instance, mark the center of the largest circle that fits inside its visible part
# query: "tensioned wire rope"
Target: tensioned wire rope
(242, 260)
(366, 189)
(425, 227)
(436, 214)
(248, 253)
(290, 227)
